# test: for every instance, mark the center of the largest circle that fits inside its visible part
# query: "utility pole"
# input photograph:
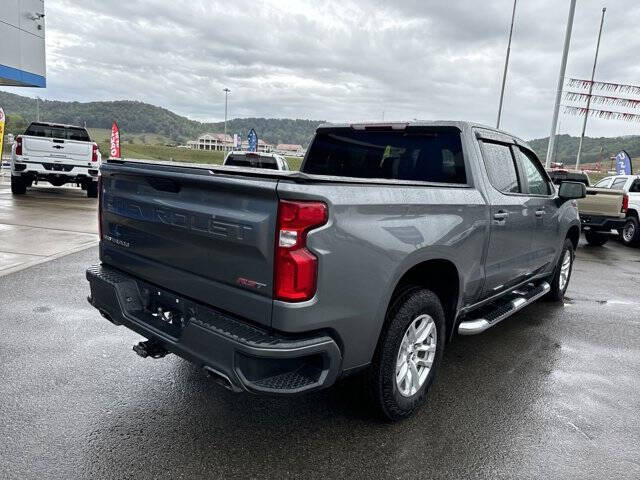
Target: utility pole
(593, 73)
(506, 64)
(37, 109)
(226, 96)
(563, 67)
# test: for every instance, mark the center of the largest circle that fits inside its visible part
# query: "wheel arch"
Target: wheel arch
(442, 277)
(573, 234)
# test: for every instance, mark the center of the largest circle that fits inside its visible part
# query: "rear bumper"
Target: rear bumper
(601, 223)
(46, 167)
(247, 357)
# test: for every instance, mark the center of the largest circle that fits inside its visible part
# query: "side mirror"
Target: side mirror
(572, 190)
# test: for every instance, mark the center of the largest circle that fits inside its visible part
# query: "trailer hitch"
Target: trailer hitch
(151, 349)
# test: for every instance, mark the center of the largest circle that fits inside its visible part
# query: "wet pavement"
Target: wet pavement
(47, 222)
(553, 392)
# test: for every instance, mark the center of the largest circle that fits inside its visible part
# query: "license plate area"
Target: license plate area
(163, 310)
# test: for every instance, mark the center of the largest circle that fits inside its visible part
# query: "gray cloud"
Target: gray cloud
(337, 60)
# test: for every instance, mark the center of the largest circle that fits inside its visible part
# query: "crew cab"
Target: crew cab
(604, 209)
(392, 240)
(55, 153)
(271, 161)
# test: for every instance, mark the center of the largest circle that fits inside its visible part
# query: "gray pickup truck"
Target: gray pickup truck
(388, 242)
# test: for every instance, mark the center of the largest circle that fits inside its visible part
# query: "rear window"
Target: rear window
(254, 161)
(64, 133)
(430, 155)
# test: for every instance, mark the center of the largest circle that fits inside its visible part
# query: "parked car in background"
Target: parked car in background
(629, 187)
(55, 153)
(560, 175)
(603, 209)
(271, 161)
(391, 240)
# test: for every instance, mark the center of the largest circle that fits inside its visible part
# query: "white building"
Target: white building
(212, 141)
(290, 150)
(22, 46)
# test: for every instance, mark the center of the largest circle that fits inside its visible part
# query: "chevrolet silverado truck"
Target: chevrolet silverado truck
(55, 153)
(390, 241)
(603, 209)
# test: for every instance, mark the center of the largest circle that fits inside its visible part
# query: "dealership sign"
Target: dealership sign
(623, 163)
(114, 148)
(252, 138)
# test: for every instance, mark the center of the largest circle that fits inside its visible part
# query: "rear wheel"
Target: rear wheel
(596, 239)
(408, 353)
(630, 235)
(562, 273)
(18, 185)
(92, 189)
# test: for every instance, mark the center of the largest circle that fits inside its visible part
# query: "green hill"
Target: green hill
(593, 149)
(142, 118)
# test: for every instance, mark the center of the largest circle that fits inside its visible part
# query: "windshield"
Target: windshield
(431, 155)
(53, 131)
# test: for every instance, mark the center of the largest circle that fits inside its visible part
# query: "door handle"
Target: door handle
(540, 213)
(500, 215)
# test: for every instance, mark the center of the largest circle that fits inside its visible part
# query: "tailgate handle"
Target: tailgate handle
(164, 184)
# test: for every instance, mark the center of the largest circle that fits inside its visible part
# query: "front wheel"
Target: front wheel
(408, 353)
(630, 235)
(596, 239)
(562, 273)
(18, 185)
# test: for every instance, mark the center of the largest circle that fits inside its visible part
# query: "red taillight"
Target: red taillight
(296, 268)
(625, 203)
(94, 153)
(100, 207)
(19, 146)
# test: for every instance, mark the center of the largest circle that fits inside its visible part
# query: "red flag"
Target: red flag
(114, 151)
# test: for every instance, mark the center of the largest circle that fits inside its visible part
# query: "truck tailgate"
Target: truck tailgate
(209, 237)
(57, 148)
(602, 201)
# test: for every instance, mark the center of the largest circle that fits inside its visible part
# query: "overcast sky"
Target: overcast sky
(338, 60)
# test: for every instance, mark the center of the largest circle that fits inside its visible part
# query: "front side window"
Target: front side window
(501, 167)
(536, 182)
(604, 183)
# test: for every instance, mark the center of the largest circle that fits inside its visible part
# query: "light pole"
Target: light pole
(226, 97)
(593, 73)
(506, 63)
(563, 67)
(37, 109)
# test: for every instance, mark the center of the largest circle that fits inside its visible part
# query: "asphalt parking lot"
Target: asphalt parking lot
(47, 222)
(553, 392)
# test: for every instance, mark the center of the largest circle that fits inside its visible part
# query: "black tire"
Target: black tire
(381, 376)
(92, 189)
(630, 234)
(596, 239)
(18, 185)
(558, 284)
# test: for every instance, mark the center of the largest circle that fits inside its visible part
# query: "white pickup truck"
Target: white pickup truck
(55, 153)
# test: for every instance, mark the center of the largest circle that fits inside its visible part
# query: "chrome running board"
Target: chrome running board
(495, 314)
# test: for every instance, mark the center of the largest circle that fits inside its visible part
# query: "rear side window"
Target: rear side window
(429, 155)
(618, 183)
(64, 133)
(254, 161)
(501, 167)
(635, 187)
(537, 183)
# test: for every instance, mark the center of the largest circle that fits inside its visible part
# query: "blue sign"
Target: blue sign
(623, 163)
(252, 138)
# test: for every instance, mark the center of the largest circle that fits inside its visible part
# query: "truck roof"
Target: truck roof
(51, 124)
(460, 124)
